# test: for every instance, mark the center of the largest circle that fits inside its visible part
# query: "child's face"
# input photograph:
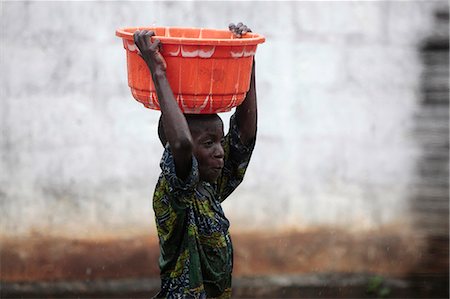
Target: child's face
(208, 149)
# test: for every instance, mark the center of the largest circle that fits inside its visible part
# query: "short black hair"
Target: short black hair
(195, 123)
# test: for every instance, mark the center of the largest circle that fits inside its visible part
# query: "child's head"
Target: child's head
(207, 136)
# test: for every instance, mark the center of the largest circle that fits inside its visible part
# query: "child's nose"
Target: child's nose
(219, 153)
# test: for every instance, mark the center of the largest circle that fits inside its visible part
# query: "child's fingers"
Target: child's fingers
(139, 41)
(148, 38)
(136, 37)
(160, 46)
(156, 45)
(139, 38)
(149, 33)
(239, 29)
(234, 29)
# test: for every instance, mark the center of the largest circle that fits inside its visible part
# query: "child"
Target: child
(200, 168)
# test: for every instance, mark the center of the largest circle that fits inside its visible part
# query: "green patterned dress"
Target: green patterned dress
(196, 254)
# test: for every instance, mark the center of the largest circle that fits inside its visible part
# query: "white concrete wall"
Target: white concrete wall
(337, 88)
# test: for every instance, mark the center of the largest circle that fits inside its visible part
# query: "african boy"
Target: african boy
(200, 168)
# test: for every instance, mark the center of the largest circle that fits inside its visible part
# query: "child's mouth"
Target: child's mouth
(217, 169)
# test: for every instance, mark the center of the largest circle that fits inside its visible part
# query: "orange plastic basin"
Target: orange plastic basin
(208, 69)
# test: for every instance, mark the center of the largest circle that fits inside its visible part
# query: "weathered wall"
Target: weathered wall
(339, 88)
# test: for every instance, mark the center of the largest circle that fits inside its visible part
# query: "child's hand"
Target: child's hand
(239, 29)
(150, 51)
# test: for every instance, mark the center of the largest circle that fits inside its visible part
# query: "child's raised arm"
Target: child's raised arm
(175, 126)
(246, 113)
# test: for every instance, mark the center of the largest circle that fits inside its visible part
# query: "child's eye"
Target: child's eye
(208, 143)
(222, 141)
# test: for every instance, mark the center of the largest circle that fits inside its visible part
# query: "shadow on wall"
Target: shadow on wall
(431, 199)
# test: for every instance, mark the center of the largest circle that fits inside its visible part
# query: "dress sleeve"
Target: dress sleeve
(176, 185)
(237, 157)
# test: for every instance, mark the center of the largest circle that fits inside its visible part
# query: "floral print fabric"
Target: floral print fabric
(196, 253)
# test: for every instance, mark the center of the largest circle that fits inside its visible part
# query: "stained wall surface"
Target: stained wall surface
(338, 88)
